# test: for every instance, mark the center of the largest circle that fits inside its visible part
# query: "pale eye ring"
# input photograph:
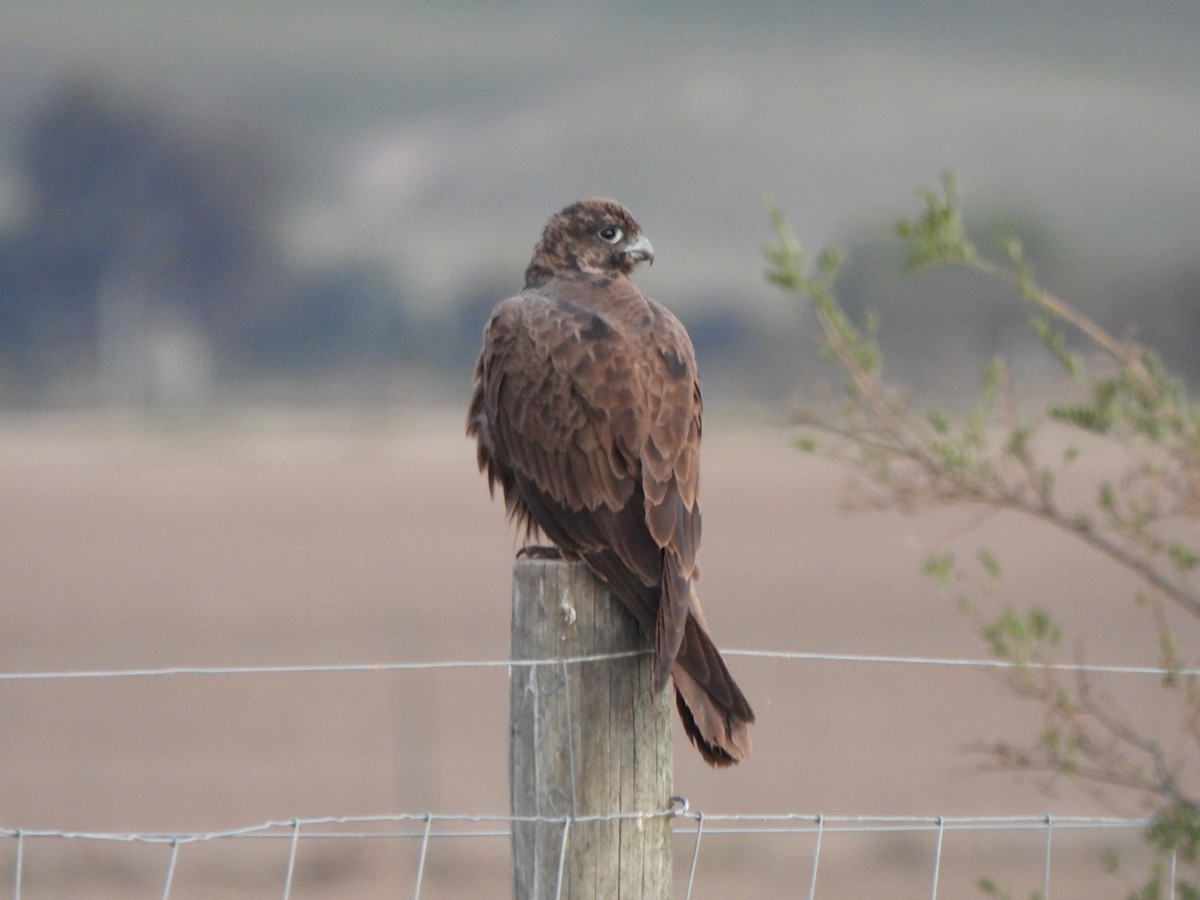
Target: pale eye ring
(610, 234)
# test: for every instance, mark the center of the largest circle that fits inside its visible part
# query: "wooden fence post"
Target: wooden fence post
(586, 739)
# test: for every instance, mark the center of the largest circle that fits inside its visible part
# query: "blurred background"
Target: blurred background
(246, 254)
(213, 203)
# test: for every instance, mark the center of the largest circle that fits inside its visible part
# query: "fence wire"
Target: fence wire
(428, 828)
(780, 655)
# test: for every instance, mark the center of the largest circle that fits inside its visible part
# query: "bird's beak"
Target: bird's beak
(640, 250)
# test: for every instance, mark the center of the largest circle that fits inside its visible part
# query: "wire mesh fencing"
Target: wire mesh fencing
(425, 853)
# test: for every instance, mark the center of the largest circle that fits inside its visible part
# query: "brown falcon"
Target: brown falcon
(587, 413)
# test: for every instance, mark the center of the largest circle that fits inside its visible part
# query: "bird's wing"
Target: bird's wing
(591, 423)
(671, 476)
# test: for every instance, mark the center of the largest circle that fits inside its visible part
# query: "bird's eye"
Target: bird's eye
(610, 234)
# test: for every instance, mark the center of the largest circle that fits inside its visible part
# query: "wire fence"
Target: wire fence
(428, 828)
(693, 830)
(784, 655)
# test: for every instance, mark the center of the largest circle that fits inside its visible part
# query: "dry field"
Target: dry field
(371, 542)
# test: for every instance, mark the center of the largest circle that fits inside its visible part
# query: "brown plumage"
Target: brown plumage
(587, 414)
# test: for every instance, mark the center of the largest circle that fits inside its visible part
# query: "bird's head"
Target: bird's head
(597, 236)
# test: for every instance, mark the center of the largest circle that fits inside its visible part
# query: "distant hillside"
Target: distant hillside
(431, 140)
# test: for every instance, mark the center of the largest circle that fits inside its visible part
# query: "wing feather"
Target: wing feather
(578, 417)
(555, 421)
(588, 414)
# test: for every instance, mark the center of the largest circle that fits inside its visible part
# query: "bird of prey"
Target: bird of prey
(587, 413)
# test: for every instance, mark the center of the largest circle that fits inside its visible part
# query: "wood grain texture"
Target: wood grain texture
(587, 739)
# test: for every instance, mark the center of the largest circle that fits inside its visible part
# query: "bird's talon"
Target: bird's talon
(536, 551)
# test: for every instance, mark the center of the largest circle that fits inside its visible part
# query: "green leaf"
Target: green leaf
(829, 263)
(940, 567)
(1110, 860)
(1176, 827)
(990, 888)
(806, 444)
(1018, 443)
(1107, 497)
(1043, 628)
(952, 454)
(938, 235)
(1047, 482)
(993, 377)
(1088, 418)
(1053, 340)
(938, 421)
(1184, 558)
(989, 562)
(1018, 638)
(1013, 249)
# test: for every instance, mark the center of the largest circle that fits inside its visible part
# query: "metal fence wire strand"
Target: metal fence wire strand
(695, 854)
(1046, 875)
(427, 827)
(562, 857)
(812, 881)
(17, 866)
(424, 853)
(937, 858)
(291, 864)
(166, 894)
(435, 827)
(741, 823)
(780, 655)
(566, 683)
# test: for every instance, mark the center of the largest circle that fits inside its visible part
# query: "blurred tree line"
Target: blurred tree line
(142, 266)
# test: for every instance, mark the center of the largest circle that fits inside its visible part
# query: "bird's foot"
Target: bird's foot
(536, 551)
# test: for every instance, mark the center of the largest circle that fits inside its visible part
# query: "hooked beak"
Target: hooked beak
(639, 250)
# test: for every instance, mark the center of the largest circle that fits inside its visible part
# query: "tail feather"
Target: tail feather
(715, 713)
(676, 599)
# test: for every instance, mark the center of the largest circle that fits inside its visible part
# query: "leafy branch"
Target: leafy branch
(1142, 517)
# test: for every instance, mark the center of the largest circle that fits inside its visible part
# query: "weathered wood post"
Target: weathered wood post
(587, 739)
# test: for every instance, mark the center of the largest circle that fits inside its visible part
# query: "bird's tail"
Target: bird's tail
(715, 713)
